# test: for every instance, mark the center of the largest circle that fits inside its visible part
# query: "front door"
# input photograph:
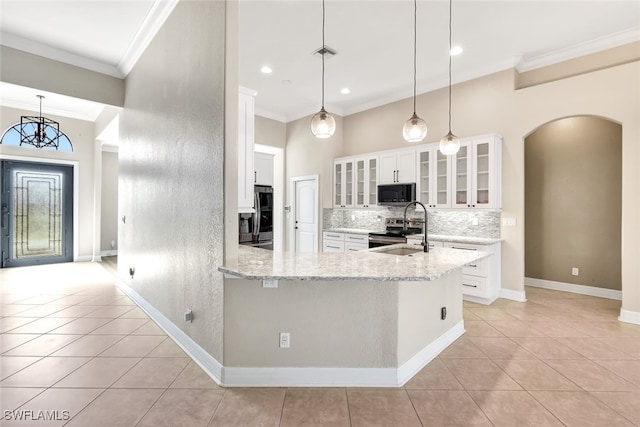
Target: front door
(37, 213)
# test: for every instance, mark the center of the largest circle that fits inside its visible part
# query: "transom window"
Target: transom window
(11, 137)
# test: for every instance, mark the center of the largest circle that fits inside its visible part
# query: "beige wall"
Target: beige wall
(490, 104)
(109, 202)
(81, 135)
(270, 132)
(171, 166)
(573, 201)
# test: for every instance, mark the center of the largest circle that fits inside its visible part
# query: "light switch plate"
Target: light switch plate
(509, 222)
(270, 283)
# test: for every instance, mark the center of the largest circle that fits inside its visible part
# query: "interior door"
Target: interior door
(37, 213)
(306, 215)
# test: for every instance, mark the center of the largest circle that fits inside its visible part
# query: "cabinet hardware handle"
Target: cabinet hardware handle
(333, 247)
(255, 177)
(470, 286)
(473, 265)
(464, 249)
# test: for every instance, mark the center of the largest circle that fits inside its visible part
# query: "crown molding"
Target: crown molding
(89, 115)
(528, 63)
(270, 115)
(36, 48)
(152, 23)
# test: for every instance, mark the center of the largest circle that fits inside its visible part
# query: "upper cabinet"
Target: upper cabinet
(366, 181)
(343, 173)
(398, 166)
(263, 164)
(476, 173)
(246, 171)
(433, 186)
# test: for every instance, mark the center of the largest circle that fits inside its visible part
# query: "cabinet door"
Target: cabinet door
(372, 179)
(338, 178)
(387, 174)
(423, 183)
(406, 166)
(461, 175)
(349, 173)
(484, 188)
(441, 180)
(245, 150)
(263, 164)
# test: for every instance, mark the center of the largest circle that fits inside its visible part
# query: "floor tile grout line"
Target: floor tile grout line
(592, 394)
(413, 406)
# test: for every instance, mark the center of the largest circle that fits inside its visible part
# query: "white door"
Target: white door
(306, 215)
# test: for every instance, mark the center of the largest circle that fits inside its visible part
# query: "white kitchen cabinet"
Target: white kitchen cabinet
(263, 164)
(344, 242)
(343, 183)
(246, 111)
(481, 280)
(433, 186)
(398, 166)
(475, 172)
(366, 190)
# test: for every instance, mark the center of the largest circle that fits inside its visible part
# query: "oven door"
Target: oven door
(377, 240)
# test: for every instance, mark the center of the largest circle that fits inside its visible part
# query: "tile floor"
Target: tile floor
(71, 341)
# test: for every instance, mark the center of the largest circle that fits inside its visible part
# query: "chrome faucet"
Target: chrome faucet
(424, 243)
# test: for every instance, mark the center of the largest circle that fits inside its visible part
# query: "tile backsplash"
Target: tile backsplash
(444, 222)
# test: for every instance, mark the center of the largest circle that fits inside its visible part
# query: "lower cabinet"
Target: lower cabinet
(480, 281)
(344, 242)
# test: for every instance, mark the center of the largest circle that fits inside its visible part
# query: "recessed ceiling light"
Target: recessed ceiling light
(345, 91)
(456, 50)
(266, 69)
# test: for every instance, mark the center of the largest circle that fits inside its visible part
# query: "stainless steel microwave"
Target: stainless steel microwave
(396, 194)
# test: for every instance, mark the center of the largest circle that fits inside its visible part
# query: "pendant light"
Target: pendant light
(323, 125)
(449, 144)
(414, 129)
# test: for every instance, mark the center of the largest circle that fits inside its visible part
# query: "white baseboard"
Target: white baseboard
(208, 363)
(629, 316)
(84, 258)
(341, 377)
(427, 354)
(478, 300)
(519, 296)
(112, 252)
(573, 288)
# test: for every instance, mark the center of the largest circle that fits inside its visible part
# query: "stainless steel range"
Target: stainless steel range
(395, 232)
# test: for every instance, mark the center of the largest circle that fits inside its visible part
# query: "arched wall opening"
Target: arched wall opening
(573, 205)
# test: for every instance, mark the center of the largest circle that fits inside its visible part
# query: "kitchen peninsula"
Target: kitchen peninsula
(359, 319)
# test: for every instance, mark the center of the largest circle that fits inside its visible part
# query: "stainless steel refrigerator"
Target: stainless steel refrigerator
(256, 229)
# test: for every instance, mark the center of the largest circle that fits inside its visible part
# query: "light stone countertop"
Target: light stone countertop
(432, 237)
(352, 230)
(258, 264)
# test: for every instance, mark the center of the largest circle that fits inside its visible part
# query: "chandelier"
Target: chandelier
(39, 131)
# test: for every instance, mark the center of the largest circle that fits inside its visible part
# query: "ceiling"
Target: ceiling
(373, 40)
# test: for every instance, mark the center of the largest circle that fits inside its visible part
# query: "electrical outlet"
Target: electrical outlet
(474, 221)
(188, 315)
(353, 217)
(575, 271)
(509, 222)
(269, 283)
(113, 244)
(284, 340)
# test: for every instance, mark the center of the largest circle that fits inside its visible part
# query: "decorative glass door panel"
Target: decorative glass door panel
(482, 154)
(461, 176)
(337, 183)
(37, 213)
(348, 191)
(360, 183)
(442, 179)
(373, 182)
(425, 174)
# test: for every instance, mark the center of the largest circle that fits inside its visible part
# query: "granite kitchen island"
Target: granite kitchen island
(357, 319)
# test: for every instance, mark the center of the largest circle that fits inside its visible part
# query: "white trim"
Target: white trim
(341, 377)
(629, 316)
(86, 258)
(573, 288)
(479, 300)
(76, 193)
(110, 148)
(154, 20)
(520, 296)
(427, 354)
(581, 49)
(208, 363)
(112, 252)
(270, 115)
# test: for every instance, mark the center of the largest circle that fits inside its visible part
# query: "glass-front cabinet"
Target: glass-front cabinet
(433, 187)
(343, 183)
(366, 181)
(476, 183)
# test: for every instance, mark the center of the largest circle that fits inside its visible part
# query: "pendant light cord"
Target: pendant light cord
(415, 42)
(323, 54)
(450, 9)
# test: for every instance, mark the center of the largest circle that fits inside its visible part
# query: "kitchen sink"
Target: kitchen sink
(401, 251)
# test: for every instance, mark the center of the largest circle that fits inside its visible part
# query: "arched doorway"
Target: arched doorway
(573, 206)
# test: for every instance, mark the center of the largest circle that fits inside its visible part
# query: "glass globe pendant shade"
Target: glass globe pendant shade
(449, 144)
(323, 125)
(414, 129)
